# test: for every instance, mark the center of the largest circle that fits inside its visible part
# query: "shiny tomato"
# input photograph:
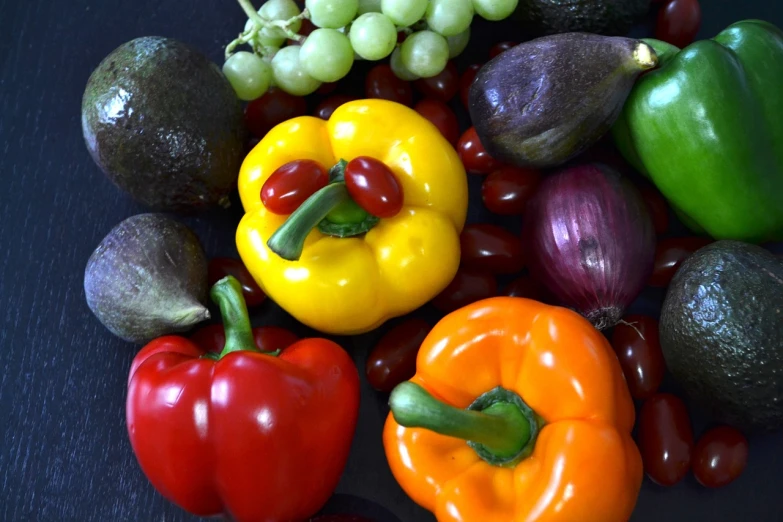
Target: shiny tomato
(381, 82)
(268, 338)
(274, 107)
(665, 439)
(507, 190)
(340, 518)
(501, 47)
(329, 105)
(327, 88)
(465, 81)
(720, 457)
(220, 267)
(393, 359)
(473, 155)
(525, 286)
(291, 184)
(491, 248)
(373, 186)
(656, 204)
(636, 343)
(443, 86)
(440, 115)
(678, 22)
(670, 254)
(468, 286)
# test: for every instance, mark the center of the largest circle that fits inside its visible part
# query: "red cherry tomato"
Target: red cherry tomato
(291, 184)
(638, 348)
(465, 81)
(473, 155)
(656, 204)
(340, 518)
(442, 86)
(373, 186)
(393, 359)
(669, 255)
(720, 457)
(678, 22)
(307, 28)
(329, 105)
(501, 48)
(665, 439)
(220, 267)
(525, 286)
(468, 286)
(507, 190)
(327, 88)
(491, 248)
(382, 83)
(267, 338)
(272, 108)
(440, 115)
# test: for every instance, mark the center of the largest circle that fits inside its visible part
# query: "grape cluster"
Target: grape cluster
(347, 30)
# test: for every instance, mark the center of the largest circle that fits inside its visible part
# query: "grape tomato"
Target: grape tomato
(443, 86)
(500, 48)
(670, 254)
(440, 115)
(720, 457)
(373, 186)
(468, 286)
(381, 82)
(291, 184)
(473, 155)
(678, 22)
(491, 248)
(465, 81)
(220, 267)
(326, 108)
(665, 439)
(393, 359)
(506, 191)
(271, 109)
(638, 348)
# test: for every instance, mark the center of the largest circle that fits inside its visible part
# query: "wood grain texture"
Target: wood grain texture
(65, 454)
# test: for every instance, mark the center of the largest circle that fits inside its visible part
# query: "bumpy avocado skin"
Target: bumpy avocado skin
(161, 120)
(607, 17)
(721, 332)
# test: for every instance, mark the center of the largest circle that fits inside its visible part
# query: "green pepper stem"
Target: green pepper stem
(227, 294)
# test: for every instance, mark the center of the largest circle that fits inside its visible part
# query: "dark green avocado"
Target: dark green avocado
(721, 333)
(607, 17)
(161, 120)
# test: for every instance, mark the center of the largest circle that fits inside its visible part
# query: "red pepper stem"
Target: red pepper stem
(227, 294)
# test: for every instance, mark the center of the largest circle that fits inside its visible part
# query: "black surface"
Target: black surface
(65, 454)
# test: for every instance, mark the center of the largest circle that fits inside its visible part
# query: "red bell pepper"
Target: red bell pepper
(260, 436)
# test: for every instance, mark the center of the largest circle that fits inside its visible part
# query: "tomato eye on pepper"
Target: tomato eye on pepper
(290, 185)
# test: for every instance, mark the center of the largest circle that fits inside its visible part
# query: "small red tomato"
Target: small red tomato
(381, 82)
(327, 88)
(274, 107)
(267, 338)
(440, 115)
(220, 267)
(491, 248)
(465, 81)
(442, 86)
(665, 439)
(525, 286)
(670, 254)
(507, 190)
(473, 155)
(636, 343)
(501, 48)
(656, 204)
(720, 457)
(340, 518)
(678, 22)
(468, 286)
(329, 105)
(393, 359)
(291, 184)
(373, 186)
(307, 28)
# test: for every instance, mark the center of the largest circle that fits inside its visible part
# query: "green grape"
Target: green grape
(425, 53)
(373, 36)
(449, 17)
(248, 74)
(404, 12)
(327, 55)
(369, 6)
(263, 39)
(495, 9)
(289, 74)
(458, 43)
(332, 14)
(399, 69)
(274, 10)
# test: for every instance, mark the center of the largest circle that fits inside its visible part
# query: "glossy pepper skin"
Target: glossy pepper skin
(243, 433)
(353, 285)
(582, 465)
(705, 126)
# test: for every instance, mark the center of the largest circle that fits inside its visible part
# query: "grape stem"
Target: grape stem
(259, 23)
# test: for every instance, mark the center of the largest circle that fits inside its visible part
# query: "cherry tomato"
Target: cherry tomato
(465, 81)
(329, 105)
(442, 86)
(340, 518)
(525, 286)
(665, 439)
(636, 343)
(468, 286)
(327, 88)
(491, 248)
(272, 108)
(507, 190)
(678, 22)
(373, 186)
(220, 267)
(267, 338)
(307, 28)
(501, 48)
(720, 457)
(669, 255)
(441, 116)
(473, 155)
(291, 184)
(382, 83)
(656, 204)
(393, 359)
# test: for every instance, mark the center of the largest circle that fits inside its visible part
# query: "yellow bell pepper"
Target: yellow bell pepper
(350, 285)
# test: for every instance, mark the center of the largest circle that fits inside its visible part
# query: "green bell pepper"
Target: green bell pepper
(706, 127)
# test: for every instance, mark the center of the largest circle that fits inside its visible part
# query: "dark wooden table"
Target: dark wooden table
(65, 454)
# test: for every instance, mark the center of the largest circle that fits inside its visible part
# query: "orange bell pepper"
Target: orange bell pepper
(518, 411)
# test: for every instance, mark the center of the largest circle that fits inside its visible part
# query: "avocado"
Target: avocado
(607, 17)
(164, 124)
(721, 332)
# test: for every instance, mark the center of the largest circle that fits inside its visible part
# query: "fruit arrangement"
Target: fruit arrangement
(612, 163)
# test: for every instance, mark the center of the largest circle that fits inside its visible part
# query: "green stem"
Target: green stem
(251, 12)
(227, 294)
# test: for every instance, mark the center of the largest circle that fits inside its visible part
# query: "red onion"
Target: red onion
(590, 241)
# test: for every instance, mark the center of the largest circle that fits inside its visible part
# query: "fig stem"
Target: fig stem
(227, 294)
(645, 56)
